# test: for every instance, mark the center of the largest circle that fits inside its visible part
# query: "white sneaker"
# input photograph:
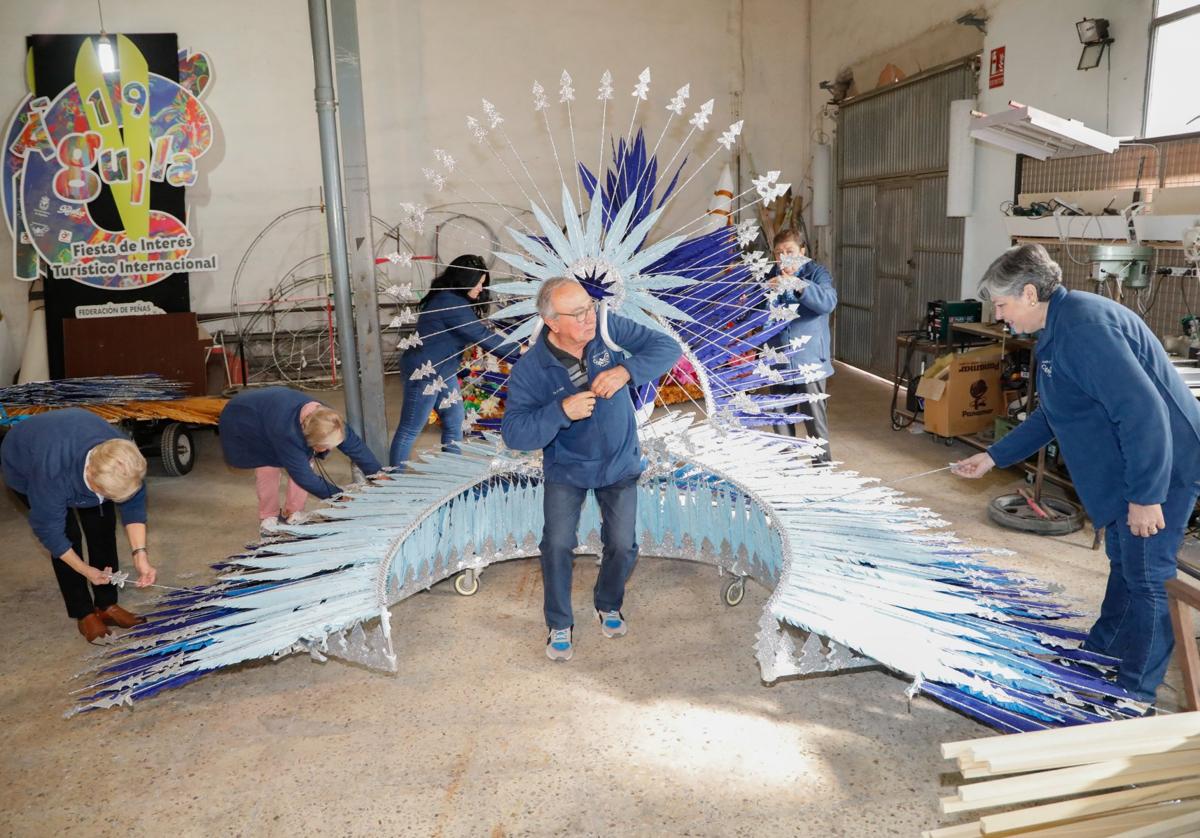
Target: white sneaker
(268, 526)
(612, 624)
(558, 645)
(300, 517)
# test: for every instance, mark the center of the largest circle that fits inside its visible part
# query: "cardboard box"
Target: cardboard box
(962, 392)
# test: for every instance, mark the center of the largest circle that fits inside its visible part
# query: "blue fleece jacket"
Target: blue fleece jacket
(603, 448)
(1126, 424)
(447, 326)
(813, 307)
(43, 459)
(262, 428)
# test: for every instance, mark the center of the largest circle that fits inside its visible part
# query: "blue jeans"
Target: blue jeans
(618, 515)
(1134, 623)
(414, 413)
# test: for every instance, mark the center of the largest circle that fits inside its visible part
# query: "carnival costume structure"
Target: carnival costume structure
(857, 575)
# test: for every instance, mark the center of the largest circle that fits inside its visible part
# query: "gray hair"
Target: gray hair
(1027, 264)
(544, 307)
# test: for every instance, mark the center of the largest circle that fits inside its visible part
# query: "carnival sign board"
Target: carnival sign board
(118, 126)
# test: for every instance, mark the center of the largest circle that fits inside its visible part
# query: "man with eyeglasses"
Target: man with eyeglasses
(569, 396)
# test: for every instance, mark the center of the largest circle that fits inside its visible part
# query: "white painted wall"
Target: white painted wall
(866, 34)
(426, 64)
(1042, 52)
(777, 101)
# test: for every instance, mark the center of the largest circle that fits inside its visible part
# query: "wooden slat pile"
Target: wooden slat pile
(1136, 778)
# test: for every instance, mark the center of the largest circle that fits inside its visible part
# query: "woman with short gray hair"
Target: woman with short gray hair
(1028, 264)
(1129, 431)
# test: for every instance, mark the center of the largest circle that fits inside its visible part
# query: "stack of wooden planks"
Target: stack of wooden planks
(1136, 778)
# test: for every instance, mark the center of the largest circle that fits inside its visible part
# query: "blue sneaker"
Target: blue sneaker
(612, 624)
(559, 646)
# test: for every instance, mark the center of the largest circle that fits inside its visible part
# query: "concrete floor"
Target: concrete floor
(668, 731)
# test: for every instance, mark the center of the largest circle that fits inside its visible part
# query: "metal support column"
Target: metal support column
(352, 122)
(335, 213)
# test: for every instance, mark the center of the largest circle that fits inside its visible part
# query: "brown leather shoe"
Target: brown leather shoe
(115, 615)
(92, 627)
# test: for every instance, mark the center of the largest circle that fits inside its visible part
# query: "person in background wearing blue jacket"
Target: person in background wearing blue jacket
(569, 396)
(69, 467)
(807, 288)
(276, 429)
(1129, 431)
(450, 321)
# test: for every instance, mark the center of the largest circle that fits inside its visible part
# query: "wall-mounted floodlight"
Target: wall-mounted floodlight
(1093, 34)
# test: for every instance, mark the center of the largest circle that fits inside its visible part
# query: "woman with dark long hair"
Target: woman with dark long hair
(450, 321)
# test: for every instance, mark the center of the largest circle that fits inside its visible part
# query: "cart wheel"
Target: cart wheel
(734, 591)
(177, 450)
(949, 440)
(466, 583)
(1013, 512)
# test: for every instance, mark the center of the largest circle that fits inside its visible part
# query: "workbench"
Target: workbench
(967, 335)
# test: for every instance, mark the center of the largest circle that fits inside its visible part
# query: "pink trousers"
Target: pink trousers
(266, 483)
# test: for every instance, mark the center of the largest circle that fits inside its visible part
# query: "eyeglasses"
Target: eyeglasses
(580, 316)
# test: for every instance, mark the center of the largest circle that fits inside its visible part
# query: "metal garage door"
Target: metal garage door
(896, 248)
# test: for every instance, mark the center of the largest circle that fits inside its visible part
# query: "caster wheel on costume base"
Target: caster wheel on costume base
(734, 591)
(466, 583)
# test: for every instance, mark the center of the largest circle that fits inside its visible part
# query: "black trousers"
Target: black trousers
(816, 427)
(98, 525)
